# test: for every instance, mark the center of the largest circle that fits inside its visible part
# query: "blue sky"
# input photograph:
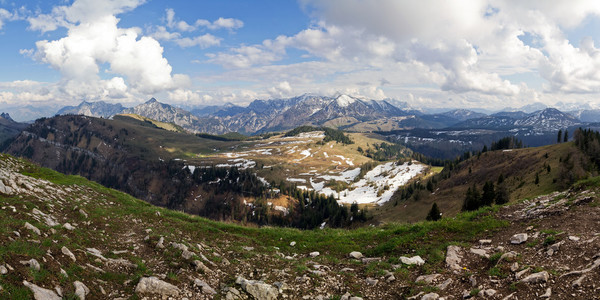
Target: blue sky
(432, 53)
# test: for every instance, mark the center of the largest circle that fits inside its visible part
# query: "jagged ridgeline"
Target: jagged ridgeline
(129, 155)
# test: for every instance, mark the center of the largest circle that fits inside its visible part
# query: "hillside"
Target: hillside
(63, 235)
(517, 167)
(9, 128)
(267, 180)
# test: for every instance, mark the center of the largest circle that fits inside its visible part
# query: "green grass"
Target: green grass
(427, 238)
(389, 241)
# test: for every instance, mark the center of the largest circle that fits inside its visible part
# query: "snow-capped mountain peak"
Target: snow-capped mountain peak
(344, 100)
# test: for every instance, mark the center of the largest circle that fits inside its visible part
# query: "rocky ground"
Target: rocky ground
(64, 237)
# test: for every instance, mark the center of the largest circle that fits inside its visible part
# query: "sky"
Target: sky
(487, 54)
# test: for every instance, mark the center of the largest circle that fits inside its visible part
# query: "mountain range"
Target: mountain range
(342, 111)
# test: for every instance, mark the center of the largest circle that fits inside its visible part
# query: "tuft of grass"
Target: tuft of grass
(550, 240)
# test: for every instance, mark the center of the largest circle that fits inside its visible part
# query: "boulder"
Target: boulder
(429, 279)
(415, 260)
(480, 252)
(81, 290)
(258, 289)
(518, 238)
(40, 293)
(536, 277)
(33, 228)
(155, 286)
(355, 255)
(453, 258)
(314, 254)
(487, 293)
(32, 263)
(430, 296)
(204, 287)
(68, 253)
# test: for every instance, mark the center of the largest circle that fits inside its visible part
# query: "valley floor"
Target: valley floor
(63, 237)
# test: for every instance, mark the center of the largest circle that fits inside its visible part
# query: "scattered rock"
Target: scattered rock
(247, 248)
(508, 256)
(485, 242)
(444, 285)
(429, 279)
(120, 263)
(415, 260)
(520, 274)
(258, 289)
(201, 267)
(356, 255)
(68, 226)
(68, 253)
(577, 282)
(32, 228)
(453, 258)
(186, 254)
(160, 244)
(480, 252)
(547, 294)
(536, 277)
(518, 238)
(83, 213)
(204, 287)
(81, 290)
(32, 263)
(574, 238)
(430, 296)
(155, 286)
(3, 270)
(292, 244)
(40, 293)
(367, 260)
(371, 281)
(314, 254)
(487, 293)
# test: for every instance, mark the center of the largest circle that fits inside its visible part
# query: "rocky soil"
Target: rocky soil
(64, 237)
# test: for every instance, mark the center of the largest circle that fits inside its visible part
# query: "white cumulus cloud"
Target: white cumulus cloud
(94, 40)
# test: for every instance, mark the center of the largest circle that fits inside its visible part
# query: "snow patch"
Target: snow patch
(344, 100)
(374, 182)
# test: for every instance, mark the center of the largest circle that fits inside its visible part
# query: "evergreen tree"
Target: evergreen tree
(488, 196)
(559, 138)
(472, 200)
(537, 178)
(434, 214)
(566, 135)
(501, 194)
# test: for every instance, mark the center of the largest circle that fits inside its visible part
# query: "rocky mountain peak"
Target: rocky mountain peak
(6, 116)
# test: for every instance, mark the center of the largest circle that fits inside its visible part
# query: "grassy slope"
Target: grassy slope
(427, 239)
(519, 168)
(163, 125)
(167, 144)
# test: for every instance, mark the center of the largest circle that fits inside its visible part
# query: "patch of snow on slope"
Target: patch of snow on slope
(306, 154)
(192, 168)
(296, 180)
(366, 189)
(346, 176)
(240, 163)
